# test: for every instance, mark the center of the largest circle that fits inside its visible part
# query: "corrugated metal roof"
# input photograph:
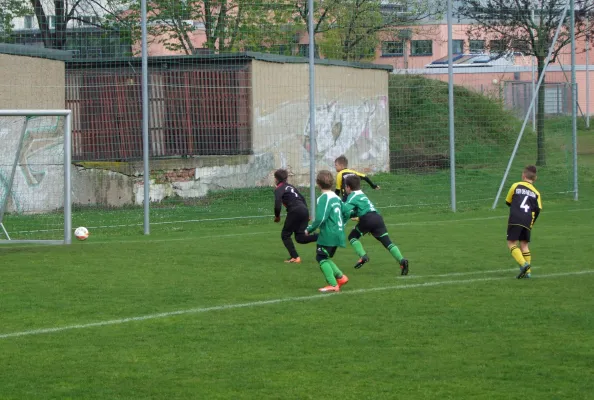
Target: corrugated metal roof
(34, 51)
(218, 58)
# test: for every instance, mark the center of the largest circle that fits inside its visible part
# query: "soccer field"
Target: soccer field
(210, 311)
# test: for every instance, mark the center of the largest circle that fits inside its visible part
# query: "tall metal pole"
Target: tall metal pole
(533, 79)
(588, 34)
(145, 119)
(573, 99)
(451, 110)
(312, 109)
(533, 87)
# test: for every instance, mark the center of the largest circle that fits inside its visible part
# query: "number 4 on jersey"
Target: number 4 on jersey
(524, 205)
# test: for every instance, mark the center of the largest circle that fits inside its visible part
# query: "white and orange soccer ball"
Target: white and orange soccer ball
(81, 233)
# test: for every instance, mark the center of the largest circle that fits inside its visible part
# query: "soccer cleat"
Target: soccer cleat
(523, 271)
(404, 266)
(362, 260)
(528, 273)
(343, 280)
(296, 260)
(328, 289)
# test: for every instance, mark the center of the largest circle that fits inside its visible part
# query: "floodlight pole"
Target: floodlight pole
(451, 110)
(573, 99)
(312, 110)
(145, 120)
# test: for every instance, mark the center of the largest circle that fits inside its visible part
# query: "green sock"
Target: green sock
(395, 251)
(358, 247)
(328, 272)
(335, 270)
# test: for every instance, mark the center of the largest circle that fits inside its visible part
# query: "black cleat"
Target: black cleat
(404, 266)
(523, 271)
(362, 260)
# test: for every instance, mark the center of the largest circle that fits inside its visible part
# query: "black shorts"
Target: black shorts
(372, 223)
(325, 252)
(518, 232)
(296, 221)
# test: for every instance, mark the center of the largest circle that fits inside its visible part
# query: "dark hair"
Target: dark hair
(281, 175)
(325, 179)
(342, 160)
(353, 182)
(530, 172)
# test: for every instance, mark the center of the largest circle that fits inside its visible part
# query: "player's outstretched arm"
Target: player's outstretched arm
(369, 182)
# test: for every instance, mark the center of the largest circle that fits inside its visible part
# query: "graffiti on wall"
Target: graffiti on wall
(39, 180)
(360, 129)
(350, 125)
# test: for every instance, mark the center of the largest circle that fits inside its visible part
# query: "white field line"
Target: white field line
(272, 301)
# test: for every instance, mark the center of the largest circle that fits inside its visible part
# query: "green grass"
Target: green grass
(204, 307)
(459, 326)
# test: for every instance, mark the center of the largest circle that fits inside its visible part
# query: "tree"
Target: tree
(227, 25)
(528, 26)
(64, 11)
(350, 28)
(9, 9)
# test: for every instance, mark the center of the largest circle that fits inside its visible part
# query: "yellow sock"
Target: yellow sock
(517, 255)
(528, 257)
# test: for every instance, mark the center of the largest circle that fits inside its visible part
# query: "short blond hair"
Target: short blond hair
(342, 161)
(325, 179)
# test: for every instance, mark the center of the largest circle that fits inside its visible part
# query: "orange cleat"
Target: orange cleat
(328, 289)
(294, 260)
(343, 280)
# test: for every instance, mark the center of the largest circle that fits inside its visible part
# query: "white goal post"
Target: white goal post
(26, 139)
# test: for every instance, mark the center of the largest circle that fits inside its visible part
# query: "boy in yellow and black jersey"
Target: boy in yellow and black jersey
(524, 204)
(342, 173)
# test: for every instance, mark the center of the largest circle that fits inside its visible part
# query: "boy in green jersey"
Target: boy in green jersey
(361, 208)
(329, 220)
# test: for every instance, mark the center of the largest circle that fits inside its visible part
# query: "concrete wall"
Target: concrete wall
(351, 117)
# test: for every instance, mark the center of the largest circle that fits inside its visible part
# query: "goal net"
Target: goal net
(35, 201)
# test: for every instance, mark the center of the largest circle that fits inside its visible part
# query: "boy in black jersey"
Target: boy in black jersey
(341, 164)
(524, 204)
(297, 214)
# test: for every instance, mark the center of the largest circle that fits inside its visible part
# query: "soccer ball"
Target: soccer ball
(81, 233)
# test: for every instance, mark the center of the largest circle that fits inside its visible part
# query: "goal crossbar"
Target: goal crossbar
(67, 114)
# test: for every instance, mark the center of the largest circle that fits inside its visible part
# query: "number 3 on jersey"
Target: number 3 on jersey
(339, 215)
(525, 205)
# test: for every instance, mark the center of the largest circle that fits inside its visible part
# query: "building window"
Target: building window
(89, 20)
(477, 46)
(457, 46)
(304, 50)
(497, 46)
(521, 46)
(391, 49)
(28, 22)
(421, 48)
